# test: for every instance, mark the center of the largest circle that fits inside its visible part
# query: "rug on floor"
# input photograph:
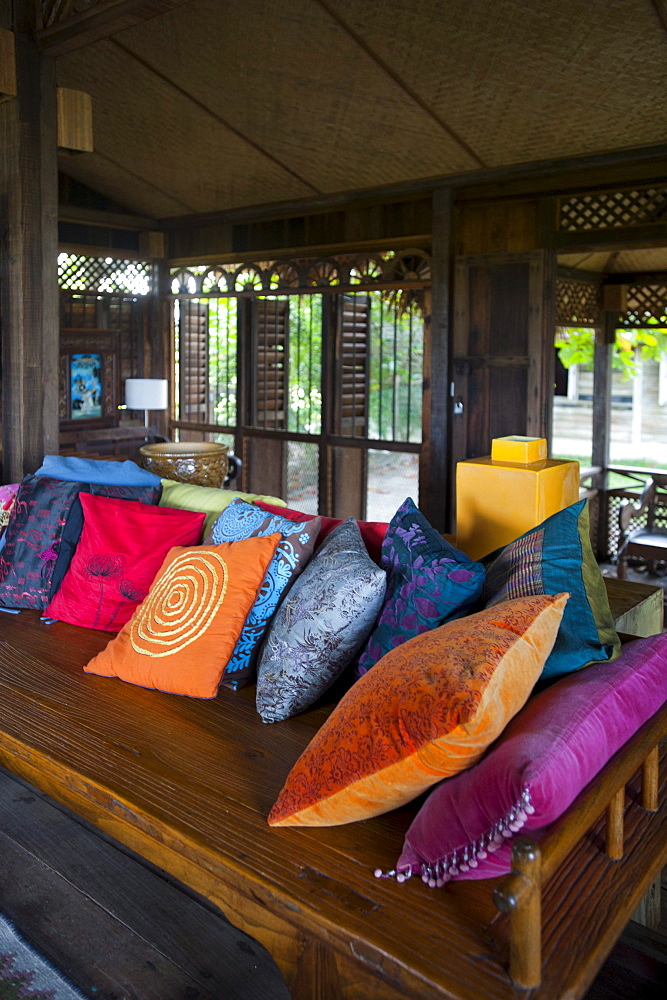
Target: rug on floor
(25, 975)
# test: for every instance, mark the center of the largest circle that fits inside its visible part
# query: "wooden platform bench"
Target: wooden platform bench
(188, 784)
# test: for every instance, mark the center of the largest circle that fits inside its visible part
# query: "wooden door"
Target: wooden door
(503, 350)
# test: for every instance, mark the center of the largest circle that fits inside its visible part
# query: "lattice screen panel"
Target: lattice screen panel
(577, 303)
(645, 303)
(613, 209)
(103, 274)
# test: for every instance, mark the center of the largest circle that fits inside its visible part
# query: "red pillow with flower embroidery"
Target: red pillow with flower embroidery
(122, 546)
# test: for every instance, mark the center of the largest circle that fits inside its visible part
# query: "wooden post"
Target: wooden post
(614, 835)
(157, 354)
(436, 491)
(520, 895)
(601, 430)
(29, 239)
(650, 780)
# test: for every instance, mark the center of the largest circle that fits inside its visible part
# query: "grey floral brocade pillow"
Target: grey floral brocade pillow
(320, 626)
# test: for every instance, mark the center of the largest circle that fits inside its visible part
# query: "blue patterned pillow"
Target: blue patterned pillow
(429, 582)
(320, 625)
(242, 520)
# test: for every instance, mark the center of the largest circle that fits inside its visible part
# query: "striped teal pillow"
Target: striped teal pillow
(554, 557)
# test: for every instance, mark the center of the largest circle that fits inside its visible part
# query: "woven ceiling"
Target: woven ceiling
(220, 104)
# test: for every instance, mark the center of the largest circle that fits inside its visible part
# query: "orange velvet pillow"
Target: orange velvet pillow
(181, 637)
(427, 710)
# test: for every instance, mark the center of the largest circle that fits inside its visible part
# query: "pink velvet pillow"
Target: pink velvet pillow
(372, 532)
(546, 756)
(122, 546)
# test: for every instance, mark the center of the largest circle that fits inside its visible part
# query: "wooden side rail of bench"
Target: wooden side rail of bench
(533, 863)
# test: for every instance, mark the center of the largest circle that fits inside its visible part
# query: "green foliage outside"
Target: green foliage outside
(395, 374)
(576, 347)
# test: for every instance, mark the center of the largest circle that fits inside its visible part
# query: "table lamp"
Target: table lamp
(146, 394)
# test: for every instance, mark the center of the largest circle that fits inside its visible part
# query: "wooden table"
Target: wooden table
(637, 608)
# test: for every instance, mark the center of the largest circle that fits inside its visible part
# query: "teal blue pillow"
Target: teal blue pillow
(429, 582)
(554, 557)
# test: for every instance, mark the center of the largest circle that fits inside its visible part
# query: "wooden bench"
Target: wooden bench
(188, 784)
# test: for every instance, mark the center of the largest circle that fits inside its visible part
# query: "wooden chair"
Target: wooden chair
(649, 541)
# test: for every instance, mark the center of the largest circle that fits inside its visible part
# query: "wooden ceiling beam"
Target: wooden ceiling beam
(104, 18)
(99, 217)
(523, 172)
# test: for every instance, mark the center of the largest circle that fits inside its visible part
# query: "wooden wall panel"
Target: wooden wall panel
(400, 221)
(28, 252)
(498, 227)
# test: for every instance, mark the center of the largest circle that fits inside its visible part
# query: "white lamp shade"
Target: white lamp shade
(146, 393)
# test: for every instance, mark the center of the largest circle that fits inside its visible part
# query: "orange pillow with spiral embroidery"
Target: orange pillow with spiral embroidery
(181, 636)
(427, 710)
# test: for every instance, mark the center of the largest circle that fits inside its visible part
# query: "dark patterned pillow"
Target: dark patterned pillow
(74, 526)
(429, 582)
(33, 537)
(320, 625)
(241, 520)
(40, 539)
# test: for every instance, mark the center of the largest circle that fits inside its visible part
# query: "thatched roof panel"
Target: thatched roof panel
(217, 105)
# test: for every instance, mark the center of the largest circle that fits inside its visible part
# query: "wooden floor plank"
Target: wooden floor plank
(115, 925)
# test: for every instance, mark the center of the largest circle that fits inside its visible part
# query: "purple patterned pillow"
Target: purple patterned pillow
(429, 582)
(546, 756)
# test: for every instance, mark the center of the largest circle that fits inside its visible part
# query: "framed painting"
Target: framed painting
(88, 382)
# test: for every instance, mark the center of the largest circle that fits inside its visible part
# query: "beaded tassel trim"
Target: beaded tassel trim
(435, 874)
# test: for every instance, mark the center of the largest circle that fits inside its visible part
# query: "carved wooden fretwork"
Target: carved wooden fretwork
(577, 303)
(645, 305)
(103, 274)
(405, 269)
(627, 209)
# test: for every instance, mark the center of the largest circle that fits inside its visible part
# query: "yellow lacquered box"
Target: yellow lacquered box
(498, 500)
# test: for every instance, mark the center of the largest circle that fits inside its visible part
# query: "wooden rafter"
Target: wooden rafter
(66, 31)
(661, 11)
(407, 89)
(170, 82)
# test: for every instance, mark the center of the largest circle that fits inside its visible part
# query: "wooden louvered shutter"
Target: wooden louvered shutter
(352, 348)
(193, 361)
(269, 381)
(350, 404)
(265, 458)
